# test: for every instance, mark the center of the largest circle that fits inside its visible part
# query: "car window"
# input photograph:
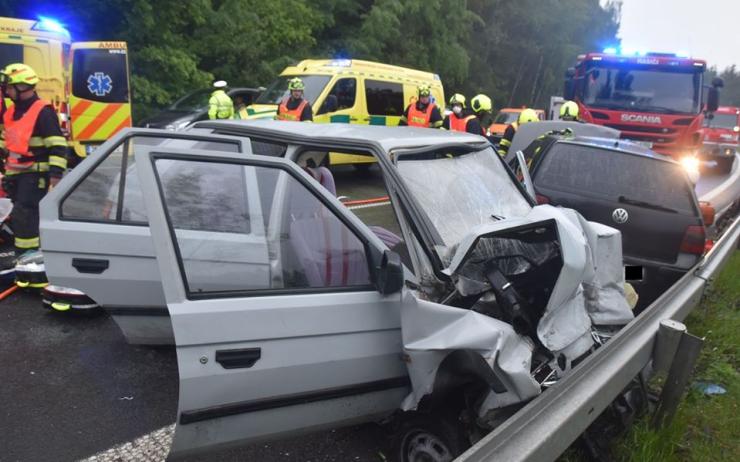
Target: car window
(341, 96)
(362, 189)
(100, 75)
(610, 174)
(384, 98)
(98, 196)
(461, 187)
(304, 246)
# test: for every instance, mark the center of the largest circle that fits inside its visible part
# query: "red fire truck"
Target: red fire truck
(722, 136)
(655, 99)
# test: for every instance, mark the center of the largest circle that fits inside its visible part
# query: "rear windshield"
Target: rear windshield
(506, 117)
(609, 174)
(100, 75)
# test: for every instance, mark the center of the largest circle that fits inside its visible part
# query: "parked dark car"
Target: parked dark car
(194, 107)
(647, 196)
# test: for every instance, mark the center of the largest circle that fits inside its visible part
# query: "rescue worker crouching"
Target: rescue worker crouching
(35, 152)
(220, 105)
(526, 116)
(460, 120)
(295, 107)
(422, 113)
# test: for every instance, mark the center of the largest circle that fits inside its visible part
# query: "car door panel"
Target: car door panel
(329, 353)
(79, 221)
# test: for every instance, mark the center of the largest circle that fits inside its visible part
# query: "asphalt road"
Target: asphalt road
(72, 387)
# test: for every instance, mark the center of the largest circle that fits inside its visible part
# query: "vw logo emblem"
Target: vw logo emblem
(620, 216)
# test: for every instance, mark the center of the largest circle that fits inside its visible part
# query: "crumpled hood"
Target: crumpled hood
(583, 262)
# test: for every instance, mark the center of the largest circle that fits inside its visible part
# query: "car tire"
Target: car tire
(426, 437)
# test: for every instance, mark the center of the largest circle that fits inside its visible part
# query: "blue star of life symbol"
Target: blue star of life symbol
(99, 84)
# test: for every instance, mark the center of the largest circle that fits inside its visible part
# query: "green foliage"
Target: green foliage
(514, 51)
(730, 93)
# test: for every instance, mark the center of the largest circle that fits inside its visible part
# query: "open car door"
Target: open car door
(310, 340)
(94, 231)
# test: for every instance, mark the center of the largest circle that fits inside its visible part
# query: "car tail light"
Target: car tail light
(694, 240)
(542, 199)
(709, 245)
(707, 213)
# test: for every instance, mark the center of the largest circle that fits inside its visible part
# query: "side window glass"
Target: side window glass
(227, 246)
(361, 188)
(341, 96)
(384, 98)
(94, 199)
(111, 191)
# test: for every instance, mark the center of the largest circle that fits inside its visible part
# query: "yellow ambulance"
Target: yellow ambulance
(87, 82)
(350, 91)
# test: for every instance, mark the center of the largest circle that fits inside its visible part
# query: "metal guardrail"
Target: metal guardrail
(544, 428)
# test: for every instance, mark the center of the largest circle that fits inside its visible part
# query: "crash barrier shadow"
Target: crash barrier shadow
(543, 429)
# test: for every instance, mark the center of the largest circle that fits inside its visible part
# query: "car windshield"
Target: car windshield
(644, 89)
(195, 101)
(506, 117)
(278, 89)
(728, 121)
(461, 187)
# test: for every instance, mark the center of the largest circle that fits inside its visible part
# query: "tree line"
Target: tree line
(514, 51)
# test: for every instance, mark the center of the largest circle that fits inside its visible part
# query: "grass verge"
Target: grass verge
(706, 428)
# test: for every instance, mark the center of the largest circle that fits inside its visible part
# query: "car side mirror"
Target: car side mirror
(389, 277)
(713, 99)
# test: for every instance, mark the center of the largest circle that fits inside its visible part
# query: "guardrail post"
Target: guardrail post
(678, 377)
(666, 344)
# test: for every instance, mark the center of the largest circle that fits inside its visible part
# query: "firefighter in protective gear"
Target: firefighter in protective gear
(422, 113)
(526, 116)
(482, 107)
(569, 111)
(35, 152)
(220, 105)
(295, 107)
(460, 120)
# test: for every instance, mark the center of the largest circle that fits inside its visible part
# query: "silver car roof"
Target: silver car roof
(389, 138)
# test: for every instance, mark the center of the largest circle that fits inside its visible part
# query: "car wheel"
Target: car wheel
(423, 437)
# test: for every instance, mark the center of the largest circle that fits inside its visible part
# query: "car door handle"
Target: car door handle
(236, 359)
(90, 265)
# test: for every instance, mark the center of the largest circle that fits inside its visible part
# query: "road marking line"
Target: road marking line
(365, 206)
(152, 447)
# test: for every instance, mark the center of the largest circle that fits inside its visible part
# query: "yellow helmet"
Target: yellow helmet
(527, 115)
(424, 90)
(481, 103)
(296, 84)
(457, 98)
(569, 111)
(19, 73)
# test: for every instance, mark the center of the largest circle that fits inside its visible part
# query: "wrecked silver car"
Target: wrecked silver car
(438, 309)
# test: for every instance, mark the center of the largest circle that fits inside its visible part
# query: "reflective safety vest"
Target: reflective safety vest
(417, 118)
(17, 136)
(220, 106)
(459, 125)
(290, 114)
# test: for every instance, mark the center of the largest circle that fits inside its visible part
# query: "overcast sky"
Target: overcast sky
(706, 29)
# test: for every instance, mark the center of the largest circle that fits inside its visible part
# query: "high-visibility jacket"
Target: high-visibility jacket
(220, 106)
(509, 133)
(291, 114)
(19, 141)
(417, 118)
(460, 124)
